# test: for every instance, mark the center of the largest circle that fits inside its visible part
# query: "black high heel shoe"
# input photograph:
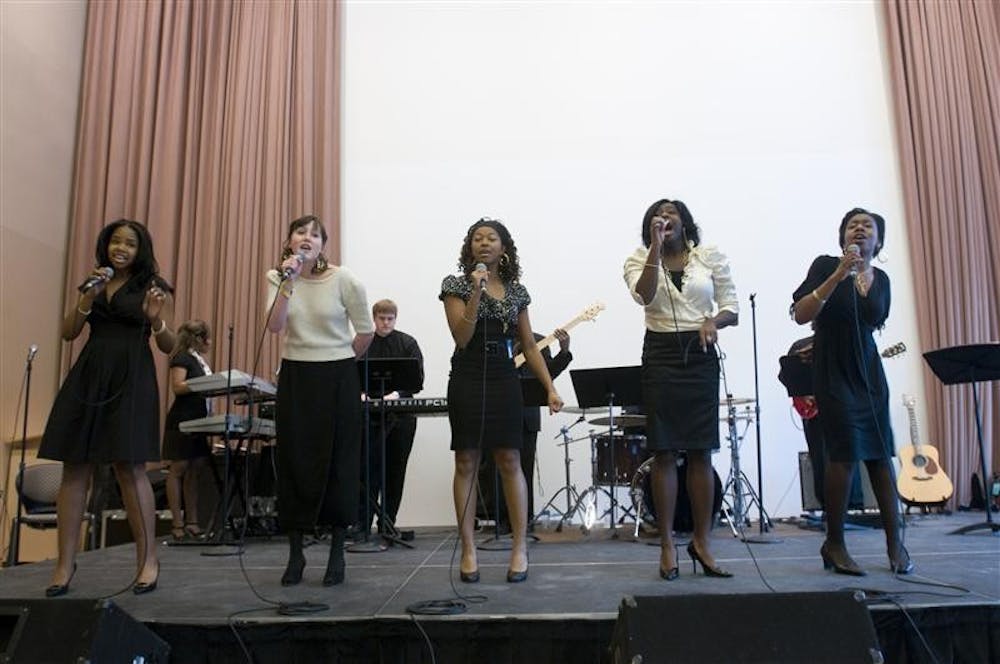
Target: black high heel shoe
(147, 586)
(672, 573)
(850, 568)
(469, 577)
(58, 589)
(902, 568)
(709, 570)
(518, 577)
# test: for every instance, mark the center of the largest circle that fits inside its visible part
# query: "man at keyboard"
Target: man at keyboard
(400, 428)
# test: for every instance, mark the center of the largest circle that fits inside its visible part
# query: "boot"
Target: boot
(334, 574)
(296, 559)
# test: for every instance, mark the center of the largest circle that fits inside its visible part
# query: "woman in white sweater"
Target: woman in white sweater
(319, 417)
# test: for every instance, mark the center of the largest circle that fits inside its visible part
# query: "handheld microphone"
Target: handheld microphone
(856, 250)
(287, 273)
(481, 267)
(32, 352)
(105, 275)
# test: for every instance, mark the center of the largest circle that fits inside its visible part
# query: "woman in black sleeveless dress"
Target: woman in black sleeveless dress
(107, 410)
(186, 452)
(850, 387)
(487, 309)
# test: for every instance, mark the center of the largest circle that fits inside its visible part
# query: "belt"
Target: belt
(502, 348)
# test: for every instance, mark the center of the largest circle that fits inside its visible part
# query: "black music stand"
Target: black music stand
(388, 374)
(532, 394)
(970, 364)
(608, 387)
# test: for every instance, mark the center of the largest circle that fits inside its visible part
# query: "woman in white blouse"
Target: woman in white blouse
(322, 311)
(688, 296)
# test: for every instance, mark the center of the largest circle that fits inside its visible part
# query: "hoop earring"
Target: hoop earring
(880, 258)
(505, 260)
(321, 264)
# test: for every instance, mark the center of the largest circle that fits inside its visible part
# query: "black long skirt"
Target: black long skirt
(680, 392)
(319, 428)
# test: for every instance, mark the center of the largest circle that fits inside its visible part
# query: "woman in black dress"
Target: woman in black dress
(847, 299)
(487, 309)
(688, 295)
(186, 452)
(107, 410)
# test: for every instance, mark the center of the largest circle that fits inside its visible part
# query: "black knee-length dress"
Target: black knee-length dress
(485, 404)
(177, 445)
(850, 386)
(108, 407)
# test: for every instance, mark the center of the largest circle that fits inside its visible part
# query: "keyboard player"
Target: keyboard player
(400, 427)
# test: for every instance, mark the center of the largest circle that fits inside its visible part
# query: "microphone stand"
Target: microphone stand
(763, 520)
(14, 549)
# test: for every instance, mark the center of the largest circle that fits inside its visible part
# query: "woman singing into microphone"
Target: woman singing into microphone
(847, 298)
(680, 283)
(487, 308)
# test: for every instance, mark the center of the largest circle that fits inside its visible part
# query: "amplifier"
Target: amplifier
(115, 528)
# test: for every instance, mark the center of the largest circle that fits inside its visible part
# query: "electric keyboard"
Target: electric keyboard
(411, 406)
(239, 425)
(217, 383)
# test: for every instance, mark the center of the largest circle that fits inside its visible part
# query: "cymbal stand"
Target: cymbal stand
(572, 495)
(737, 506)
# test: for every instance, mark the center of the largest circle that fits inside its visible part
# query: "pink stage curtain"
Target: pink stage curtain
(215, 124)
(945, 66)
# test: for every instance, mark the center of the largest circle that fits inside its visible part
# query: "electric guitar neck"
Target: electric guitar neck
(590, 313)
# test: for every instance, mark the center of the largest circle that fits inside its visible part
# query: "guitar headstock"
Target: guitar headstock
(591, 312)
(894, 350)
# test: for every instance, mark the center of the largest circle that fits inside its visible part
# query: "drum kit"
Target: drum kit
(619, 459)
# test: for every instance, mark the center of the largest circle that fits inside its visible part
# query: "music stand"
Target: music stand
(532, 395)
(970, 364)
(390, 374)
(608, 387)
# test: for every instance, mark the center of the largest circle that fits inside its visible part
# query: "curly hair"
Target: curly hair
(690, 229)
(510, 266)
(322, 264)
(186, 335)
(879, 224)
(144, 268)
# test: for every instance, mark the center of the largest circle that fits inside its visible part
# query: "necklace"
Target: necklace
(863, 282)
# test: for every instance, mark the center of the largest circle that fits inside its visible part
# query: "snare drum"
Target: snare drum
(626, 452)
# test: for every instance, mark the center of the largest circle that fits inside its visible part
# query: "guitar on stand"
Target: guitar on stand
(921, 480)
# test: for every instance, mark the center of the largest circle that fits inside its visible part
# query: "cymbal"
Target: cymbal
(737, 401)
(623, 420)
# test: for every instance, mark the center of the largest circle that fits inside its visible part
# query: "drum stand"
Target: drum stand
(737, 507)
(572, 495)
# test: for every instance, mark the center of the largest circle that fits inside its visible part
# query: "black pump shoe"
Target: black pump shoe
(59, 589)
(469, 577)
(146, 586)
(670, 574)
(709, 570)
(849, 568)
(902, 568)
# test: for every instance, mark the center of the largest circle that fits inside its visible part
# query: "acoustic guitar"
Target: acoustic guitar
(921, 480)
(590, 313)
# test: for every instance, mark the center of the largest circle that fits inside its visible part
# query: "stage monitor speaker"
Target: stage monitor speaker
(771, 628)
(810, 502)
(40, 631)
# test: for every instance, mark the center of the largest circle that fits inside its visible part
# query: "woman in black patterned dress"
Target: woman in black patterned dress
(487, 309)
(108, 409)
